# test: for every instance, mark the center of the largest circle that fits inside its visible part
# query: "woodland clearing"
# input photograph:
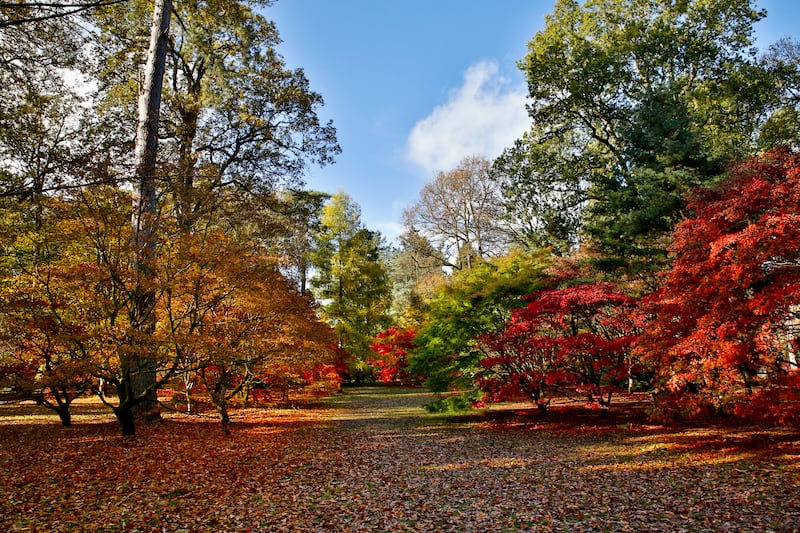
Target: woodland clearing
(372, 459)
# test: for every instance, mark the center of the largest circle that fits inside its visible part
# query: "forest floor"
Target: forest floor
(372, 459)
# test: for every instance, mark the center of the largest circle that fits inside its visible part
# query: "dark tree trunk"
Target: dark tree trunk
(605, 406)
(124, 414)
(245, 394)
(64, 415)
(186, 201)
(303, 266)
(224, 417)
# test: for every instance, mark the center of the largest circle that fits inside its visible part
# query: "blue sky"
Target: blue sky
(414, 86)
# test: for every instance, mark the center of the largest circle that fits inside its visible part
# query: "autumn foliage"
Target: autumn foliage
(49, 330)
(392, 347)
(572, 341)
(722, 334)
(226, 320)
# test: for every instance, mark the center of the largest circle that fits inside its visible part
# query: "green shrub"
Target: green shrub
(454, 404)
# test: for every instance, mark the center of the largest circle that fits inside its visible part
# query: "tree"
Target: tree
(634, 103)
(236, 121)
(234, 118)
(234, 322)
(415, 274)
(474, 302)
(575, 339)
(144, 209)
(541, 179)
(45, 138)
(43, 146)
(46, 144)
(125, 355)
(43, 329)
(351, 280)
(782, 60)
(72, 285)
(724, 320)
(459, 213)
(297, 219)
(393, 346)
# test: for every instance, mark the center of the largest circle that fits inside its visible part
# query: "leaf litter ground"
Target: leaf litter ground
(373, 460)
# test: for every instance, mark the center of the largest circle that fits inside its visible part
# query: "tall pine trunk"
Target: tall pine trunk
(144, 209)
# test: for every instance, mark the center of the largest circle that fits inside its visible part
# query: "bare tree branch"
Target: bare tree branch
(48, 10)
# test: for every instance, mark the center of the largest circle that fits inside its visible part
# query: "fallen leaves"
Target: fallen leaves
(374, 461)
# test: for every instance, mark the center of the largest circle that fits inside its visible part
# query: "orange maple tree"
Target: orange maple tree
(235, 323)
(44, 327)
(226, 318)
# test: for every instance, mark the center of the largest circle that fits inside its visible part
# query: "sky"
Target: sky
(414, 86)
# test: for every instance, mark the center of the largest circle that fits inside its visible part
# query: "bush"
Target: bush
(454, 404)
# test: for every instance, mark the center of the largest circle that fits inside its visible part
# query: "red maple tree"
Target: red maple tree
(722, 334)
(393, 346)
(573, 340)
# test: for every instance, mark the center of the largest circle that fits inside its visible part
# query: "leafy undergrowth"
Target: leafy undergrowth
(373, 460)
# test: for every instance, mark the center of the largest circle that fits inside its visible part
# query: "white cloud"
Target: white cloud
(390, 229)
(483, 116)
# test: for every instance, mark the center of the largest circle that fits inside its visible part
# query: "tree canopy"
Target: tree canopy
(236, 120)
(633, 104)
(473, 302)
(725, 317)
(168, 268)
(351, 281)
(458, 212)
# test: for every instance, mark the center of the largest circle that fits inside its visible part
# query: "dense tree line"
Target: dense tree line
(121, 277)
(640, 236)
(648, 214)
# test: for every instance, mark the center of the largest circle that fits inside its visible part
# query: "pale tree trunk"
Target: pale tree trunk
(188, 386)
(143, 368)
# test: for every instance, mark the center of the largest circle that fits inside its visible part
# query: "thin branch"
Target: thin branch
(69, 9)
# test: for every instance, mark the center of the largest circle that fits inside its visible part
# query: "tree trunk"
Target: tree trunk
(222, 407)
(64, 415)
(124, 414)
(542, 406)
(303, 278)
(605, 405)
(144, 201)
(183, 185)
(188, 386)
(245, 394)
